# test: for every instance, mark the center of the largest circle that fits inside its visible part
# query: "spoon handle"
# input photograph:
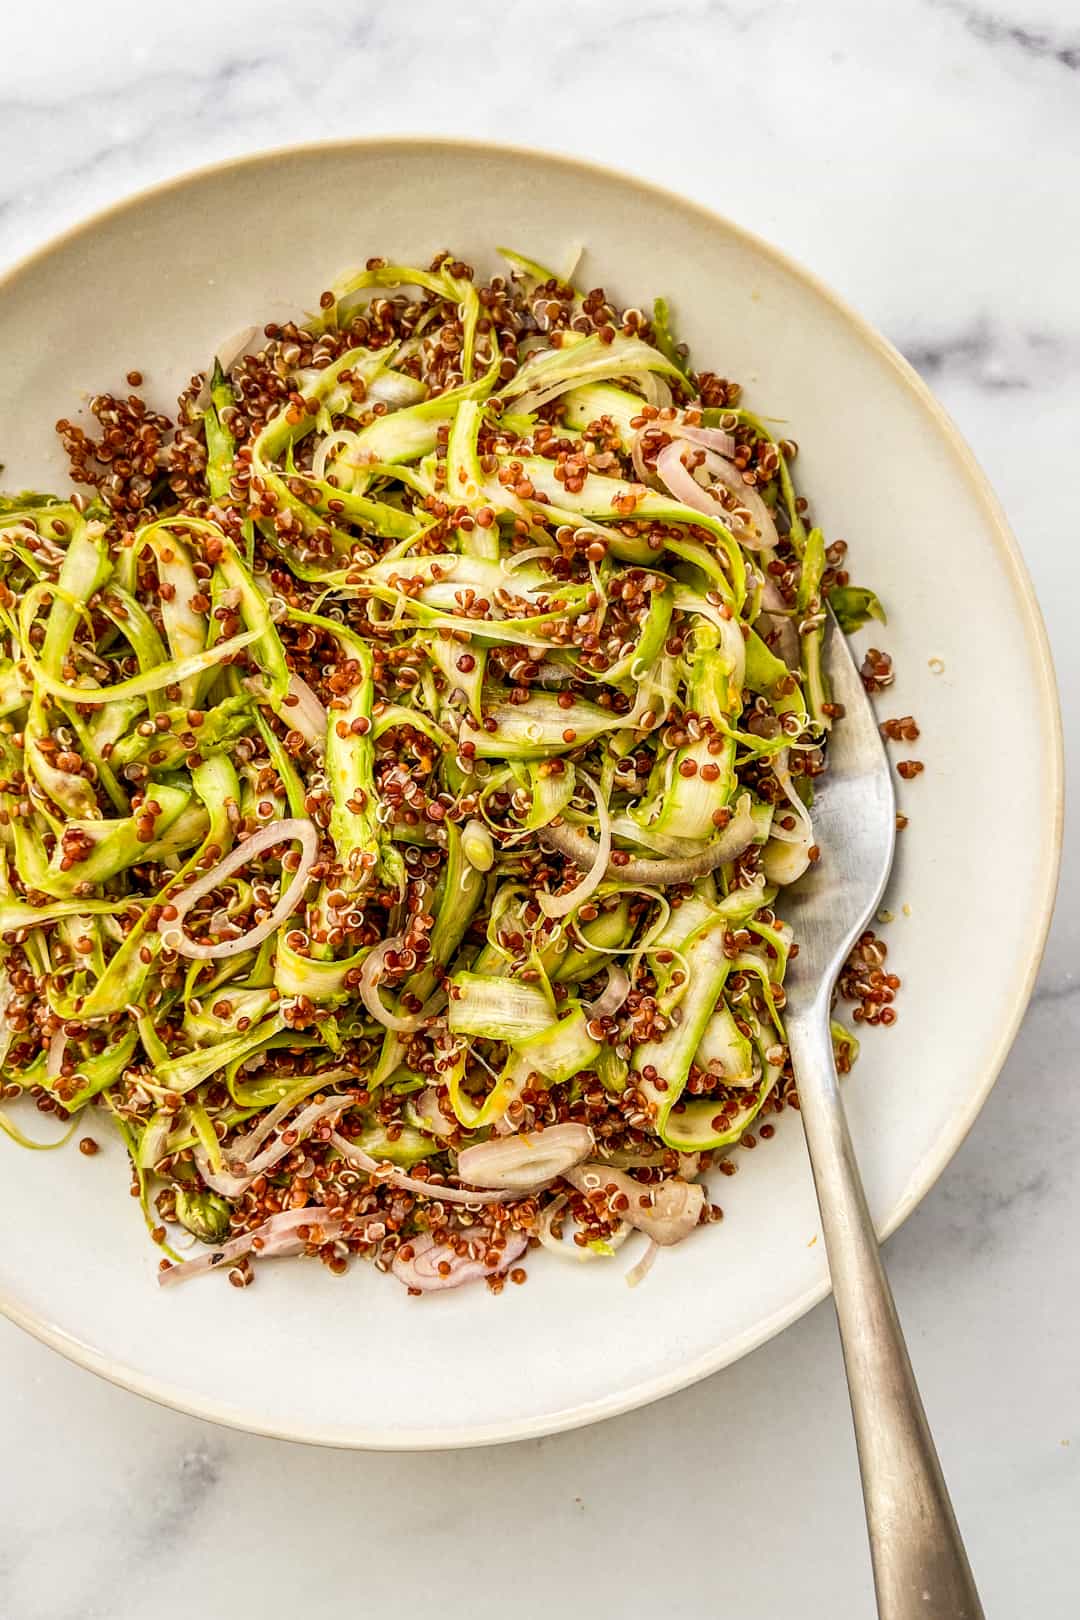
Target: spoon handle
(921, 1571)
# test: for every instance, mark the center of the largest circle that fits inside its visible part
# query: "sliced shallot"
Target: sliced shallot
(682, 483)
(424, 1270)
(277, 1236)
(54, 1061)
(345, 439)
(244, 1150)
(530, 554)
(758, 534)
(306, 715)
(655, 390)
(431, 1117)
(233, 1182)
(764, 536)
(673, 1209)
(276, 832)
(368, 986)
(613, 994)
(525, 1163)
(391, 1176)
(772, 597)
(784, 861)
(703, 438)
(780, 635)
(559, 905)
(580, 1252)
(739, 832)
(637, 455)
(641, 1268)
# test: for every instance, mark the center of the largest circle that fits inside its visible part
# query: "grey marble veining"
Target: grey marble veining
(921, 157)
(1056, 44)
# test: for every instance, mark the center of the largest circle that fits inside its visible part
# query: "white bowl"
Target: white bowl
(159, 283)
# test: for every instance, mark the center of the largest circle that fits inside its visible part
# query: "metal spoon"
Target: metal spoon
(920, 1566)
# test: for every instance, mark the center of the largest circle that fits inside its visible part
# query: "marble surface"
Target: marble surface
(921, 158)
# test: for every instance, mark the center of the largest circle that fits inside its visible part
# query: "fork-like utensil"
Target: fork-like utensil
(920, 1566)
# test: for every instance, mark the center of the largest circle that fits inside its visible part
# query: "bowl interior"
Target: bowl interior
(162, 282)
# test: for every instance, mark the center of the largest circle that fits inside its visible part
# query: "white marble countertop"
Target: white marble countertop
(922, 159)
